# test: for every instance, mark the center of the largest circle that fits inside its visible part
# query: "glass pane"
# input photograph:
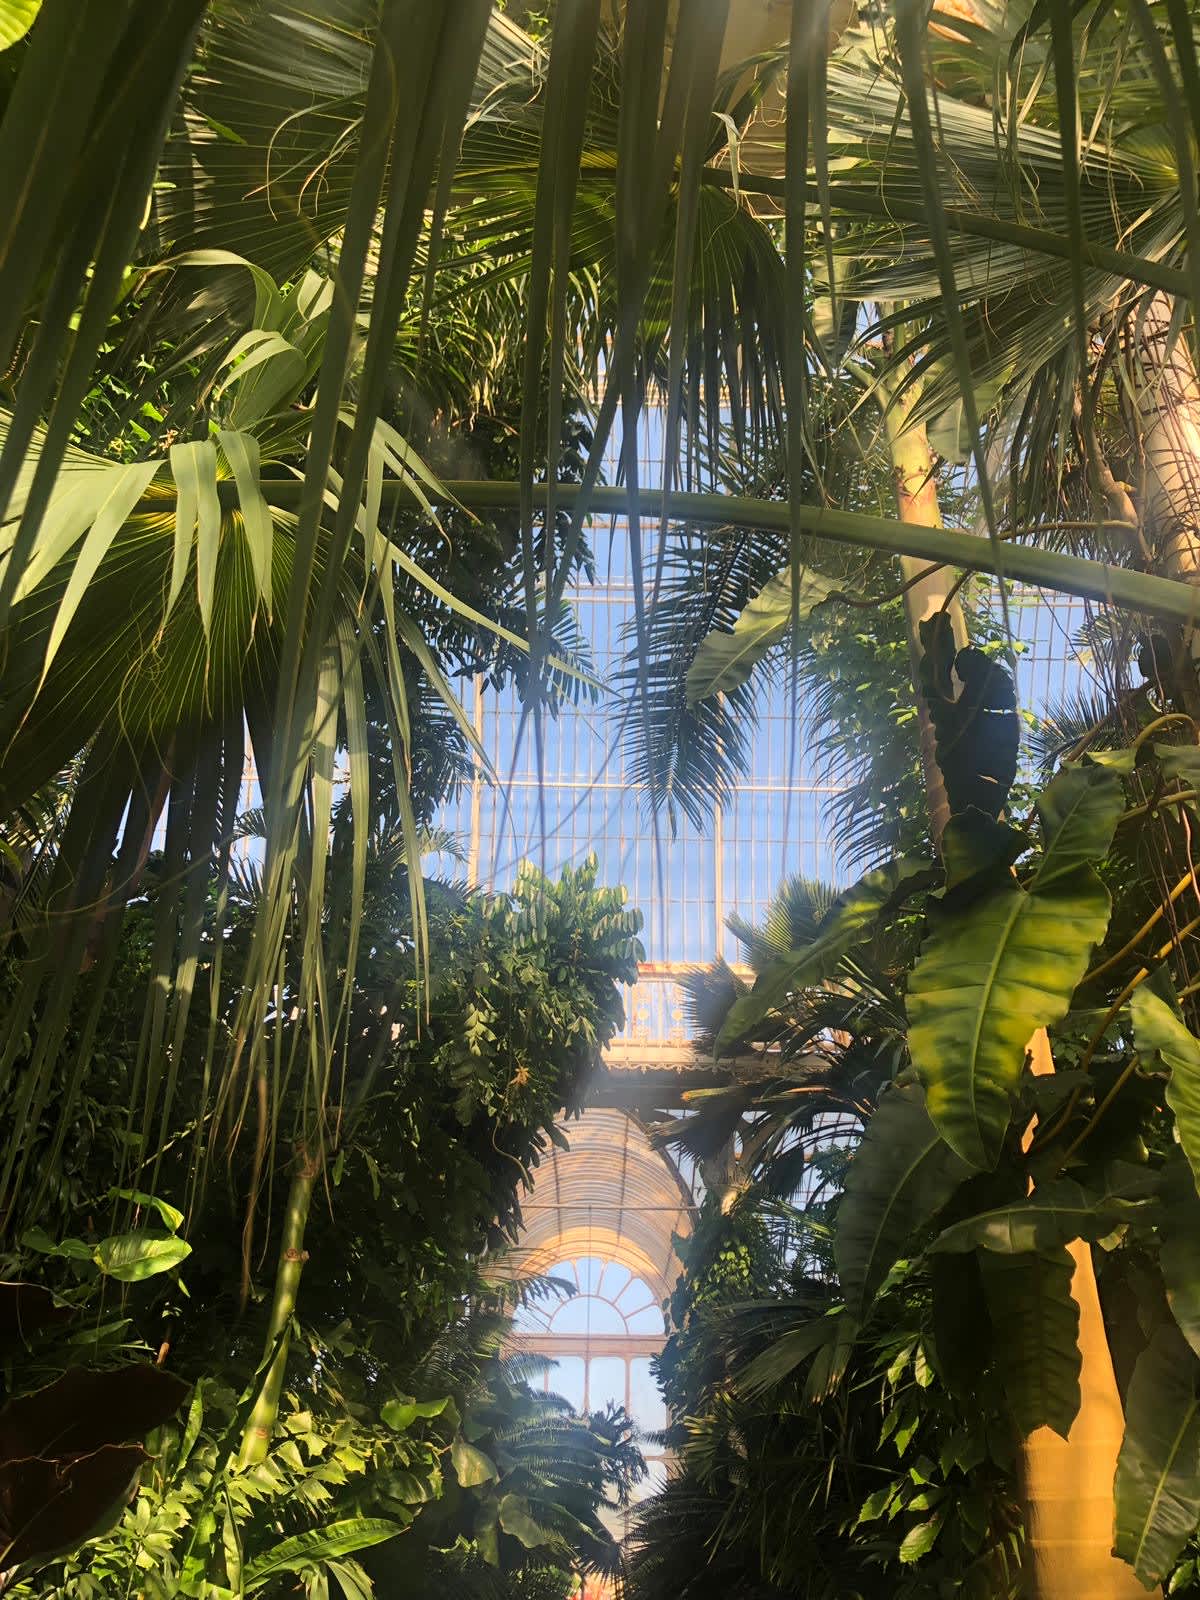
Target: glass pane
(613, 1280)
(585, 1314)
(607, 1382)
(645, 1398)
(634, 1295)
(648, 1321)
(589, 1270)
(566, 1378)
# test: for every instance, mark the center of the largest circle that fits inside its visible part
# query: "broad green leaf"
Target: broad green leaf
(1079, 812)
(1054, 1215)
(241, 452)
(487, 1531)
(901, 1174)
(1179, 1247)
(515, 1518)
(1036, 1322)
(130, 1257)
(170, 1214)
(351, 1578)
(919, 1541)
(401, 1414)
(1157, 1028)
(319, 1544)
(471, 1466)
(990, 972)
(1180, 761)
(1158, 1470)
(850, 920)
(874, 1506)
(72, 1249)
(1179, 1258)
(1122, 762)
(16, 19)
(725, 660)
(974, 843)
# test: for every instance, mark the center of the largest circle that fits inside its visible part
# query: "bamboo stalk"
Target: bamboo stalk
(256, 1441)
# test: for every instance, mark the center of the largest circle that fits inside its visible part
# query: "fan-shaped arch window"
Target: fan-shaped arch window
(596, 1298)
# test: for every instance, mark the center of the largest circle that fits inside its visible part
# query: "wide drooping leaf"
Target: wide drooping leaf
(849, 921)
(901, 1174)
(1036, 1323)
(1179, 1249)
(1054, 1214)
(1078, 811)
(725, 660)
(16, 19)
(991, 971)
(472, 1466)
(1158, 1470)
(130, 1257)
(1158, 1030)
(319, 1544)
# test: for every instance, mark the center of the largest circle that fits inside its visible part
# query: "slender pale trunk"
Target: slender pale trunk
(1068, 1483)
(256, 1441)
(917, 502)
(1167, 395)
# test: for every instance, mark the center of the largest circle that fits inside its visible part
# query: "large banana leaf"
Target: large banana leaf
(1179, 1249)
(992, 971)
(1078, 811)
(1158, 1470)
(1055, 1213)
(1157, 1029)
(725, 660)
(1036, 1345)
(901, 1174)
(318, 1545)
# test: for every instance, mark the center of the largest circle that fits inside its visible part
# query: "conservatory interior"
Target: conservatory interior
(599, 799)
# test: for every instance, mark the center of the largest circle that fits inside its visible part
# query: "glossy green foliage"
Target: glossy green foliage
(1158, 1473)
(990, 973)
(901, 1174)
(1003, 958)
(1159, 1031)
(724, 661)
(1036, 1325)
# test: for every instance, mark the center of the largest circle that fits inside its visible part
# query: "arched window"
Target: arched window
(600, 1331)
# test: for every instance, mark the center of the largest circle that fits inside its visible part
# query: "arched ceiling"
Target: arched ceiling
(611, 1195)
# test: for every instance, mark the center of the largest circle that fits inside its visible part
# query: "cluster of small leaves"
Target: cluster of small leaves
(201, 1527)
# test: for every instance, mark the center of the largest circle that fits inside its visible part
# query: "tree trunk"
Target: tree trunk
(917, 502)
(256, 1441)
(1067, 1483)
(1167, 396)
